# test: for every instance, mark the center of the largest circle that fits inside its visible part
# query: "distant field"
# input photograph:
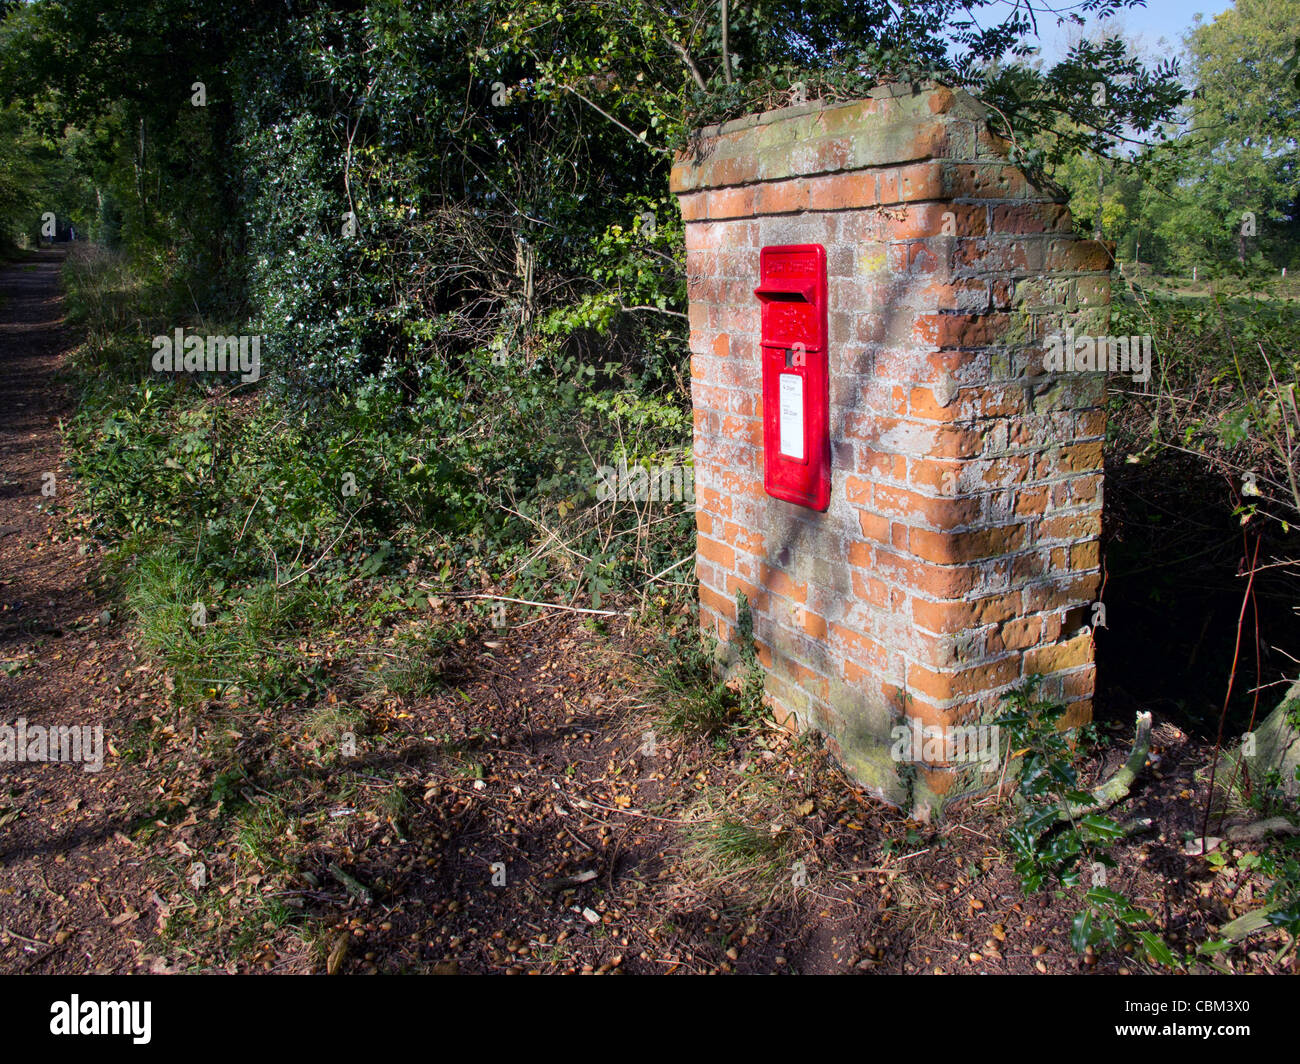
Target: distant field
(1182, 287)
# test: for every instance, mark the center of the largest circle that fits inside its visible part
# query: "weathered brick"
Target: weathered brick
(954, 547)
(921, 181)
(879, 465)
(732, 202)
(1080, 255)
(718, 603)
(874, 527)
(962, 683)
(1068, 527)
(782, 197)
(937, 581)
(865, 652)
(1058, 657)
(758, 599)
(1031, 218)
(957, 616)
(782, 584)
(937, 512)
(1016, 634)
(960, 330)
(995, 180)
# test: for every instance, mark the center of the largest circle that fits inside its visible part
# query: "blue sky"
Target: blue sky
(1169, 19)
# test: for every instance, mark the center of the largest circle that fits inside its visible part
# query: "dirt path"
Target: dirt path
(64, 879)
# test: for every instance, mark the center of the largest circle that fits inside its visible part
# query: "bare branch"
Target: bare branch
(726, 51)
(635, 136)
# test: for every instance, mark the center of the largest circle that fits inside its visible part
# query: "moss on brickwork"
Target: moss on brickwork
(790, 697)
(864, 718)
(889, 129)
(965, 784)
(869, 763)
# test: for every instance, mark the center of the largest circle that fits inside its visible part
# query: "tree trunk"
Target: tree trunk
(1101, 196)
(1274, 746)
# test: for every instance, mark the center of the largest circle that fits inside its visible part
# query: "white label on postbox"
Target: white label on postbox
(792, 415)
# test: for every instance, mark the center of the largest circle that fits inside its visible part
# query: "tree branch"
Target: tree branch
(1117, 787)
(634, 135)
(726, 51)
(700, 83)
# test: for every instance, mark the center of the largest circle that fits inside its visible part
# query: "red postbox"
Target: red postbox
(796, 396)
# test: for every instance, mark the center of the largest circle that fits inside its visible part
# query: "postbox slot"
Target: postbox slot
(803, 294)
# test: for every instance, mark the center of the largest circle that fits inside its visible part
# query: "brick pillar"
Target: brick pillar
(959, 554)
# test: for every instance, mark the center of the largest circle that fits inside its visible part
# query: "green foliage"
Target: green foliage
(1277, 859)
(692, 697)
(218, 642)
(1052, 851)
(1105, 918)
(394, 191)
(1224, 374)
(413, 667)
(1279, 863)
(1045, 850)
(738, 843)
(1215, 191)
(369, 490)
(36, 176)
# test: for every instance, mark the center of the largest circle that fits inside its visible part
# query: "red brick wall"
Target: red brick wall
(959, 554)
